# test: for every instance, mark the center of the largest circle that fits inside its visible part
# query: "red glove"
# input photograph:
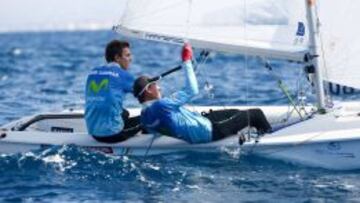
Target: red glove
(187, 52)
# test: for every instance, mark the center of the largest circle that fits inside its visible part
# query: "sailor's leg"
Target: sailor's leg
(131, 128)
(259, 121)
(125, 114)
(220, 115)
(231, 124)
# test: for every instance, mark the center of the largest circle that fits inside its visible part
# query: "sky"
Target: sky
(39, 15)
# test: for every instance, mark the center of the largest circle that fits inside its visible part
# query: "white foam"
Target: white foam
(54, 159)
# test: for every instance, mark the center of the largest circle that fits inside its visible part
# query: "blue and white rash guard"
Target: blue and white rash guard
(168, 116)
(106, 87)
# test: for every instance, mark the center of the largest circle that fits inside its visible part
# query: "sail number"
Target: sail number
(337, 89)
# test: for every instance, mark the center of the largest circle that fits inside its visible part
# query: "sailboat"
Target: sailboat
(319, 35)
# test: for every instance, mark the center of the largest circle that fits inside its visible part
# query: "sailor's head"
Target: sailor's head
(119, 52)
(145, 89)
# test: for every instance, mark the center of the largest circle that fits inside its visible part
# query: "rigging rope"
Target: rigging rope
(301, 90)
(246, 69)
(156, 135)
(283, 88)
(204, 55)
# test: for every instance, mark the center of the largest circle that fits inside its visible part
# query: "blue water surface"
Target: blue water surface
(45, 72)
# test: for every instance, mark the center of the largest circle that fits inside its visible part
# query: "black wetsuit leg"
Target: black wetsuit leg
(259, 121)
(226, 122)
(229, 122)
(125, 114)
(220, 115)
(131, 127)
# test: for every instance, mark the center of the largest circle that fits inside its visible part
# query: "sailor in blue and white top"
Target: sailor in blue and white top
(167, 116)
(106, 87)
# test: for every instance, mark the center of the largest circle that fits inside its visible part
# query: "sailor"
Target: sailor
(167, 116)
(106, 119)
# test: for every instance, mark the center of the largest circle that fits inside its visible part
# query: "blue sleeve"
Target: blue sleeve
(190, 89)
(129, 82)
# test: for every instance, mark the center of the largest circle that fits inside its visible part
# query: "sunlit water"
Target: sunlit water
(45, 72)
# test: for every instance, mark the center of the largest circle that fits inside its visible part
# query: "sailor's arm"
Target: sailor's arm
(191, 87)
(128, 82)
(191, 83)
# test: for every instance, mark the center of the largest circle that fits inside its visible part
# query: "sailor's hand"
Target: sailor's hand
(187, 52)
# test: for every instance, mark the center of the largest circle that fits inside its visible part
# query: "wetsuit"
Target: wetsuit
(230, 121)
(106, 87)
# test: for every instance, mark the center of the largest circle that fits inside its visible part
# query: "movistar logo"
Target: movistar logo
(96, 87)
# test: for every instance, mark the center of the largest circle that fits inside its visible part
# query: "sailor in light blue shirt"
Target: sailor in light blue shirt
(167, 115)
(106, 87)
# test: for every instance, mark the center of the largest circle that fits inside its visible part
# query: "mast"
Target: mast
(315, 52)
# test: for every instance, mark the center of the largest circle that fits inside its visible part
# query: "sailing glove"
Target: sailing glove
(187, 52)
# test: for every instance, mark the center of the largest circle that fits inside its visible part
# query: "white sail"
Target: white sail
(269, 28)
(340, 37)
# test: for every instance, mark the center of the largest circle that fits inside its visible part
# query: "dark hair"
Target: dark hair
(113, 48)
(139, 85)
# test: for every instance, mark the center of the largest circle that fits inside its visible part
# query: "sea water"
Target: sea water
(46, 72)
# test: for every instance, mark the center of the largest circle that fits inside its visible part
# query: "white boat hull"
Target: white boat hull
(329, 141)
(142, 144)
(336, 155)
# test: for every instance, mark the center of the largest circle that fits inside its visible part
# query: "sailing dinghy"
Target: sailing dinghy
(69, 128)
(317, 34)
